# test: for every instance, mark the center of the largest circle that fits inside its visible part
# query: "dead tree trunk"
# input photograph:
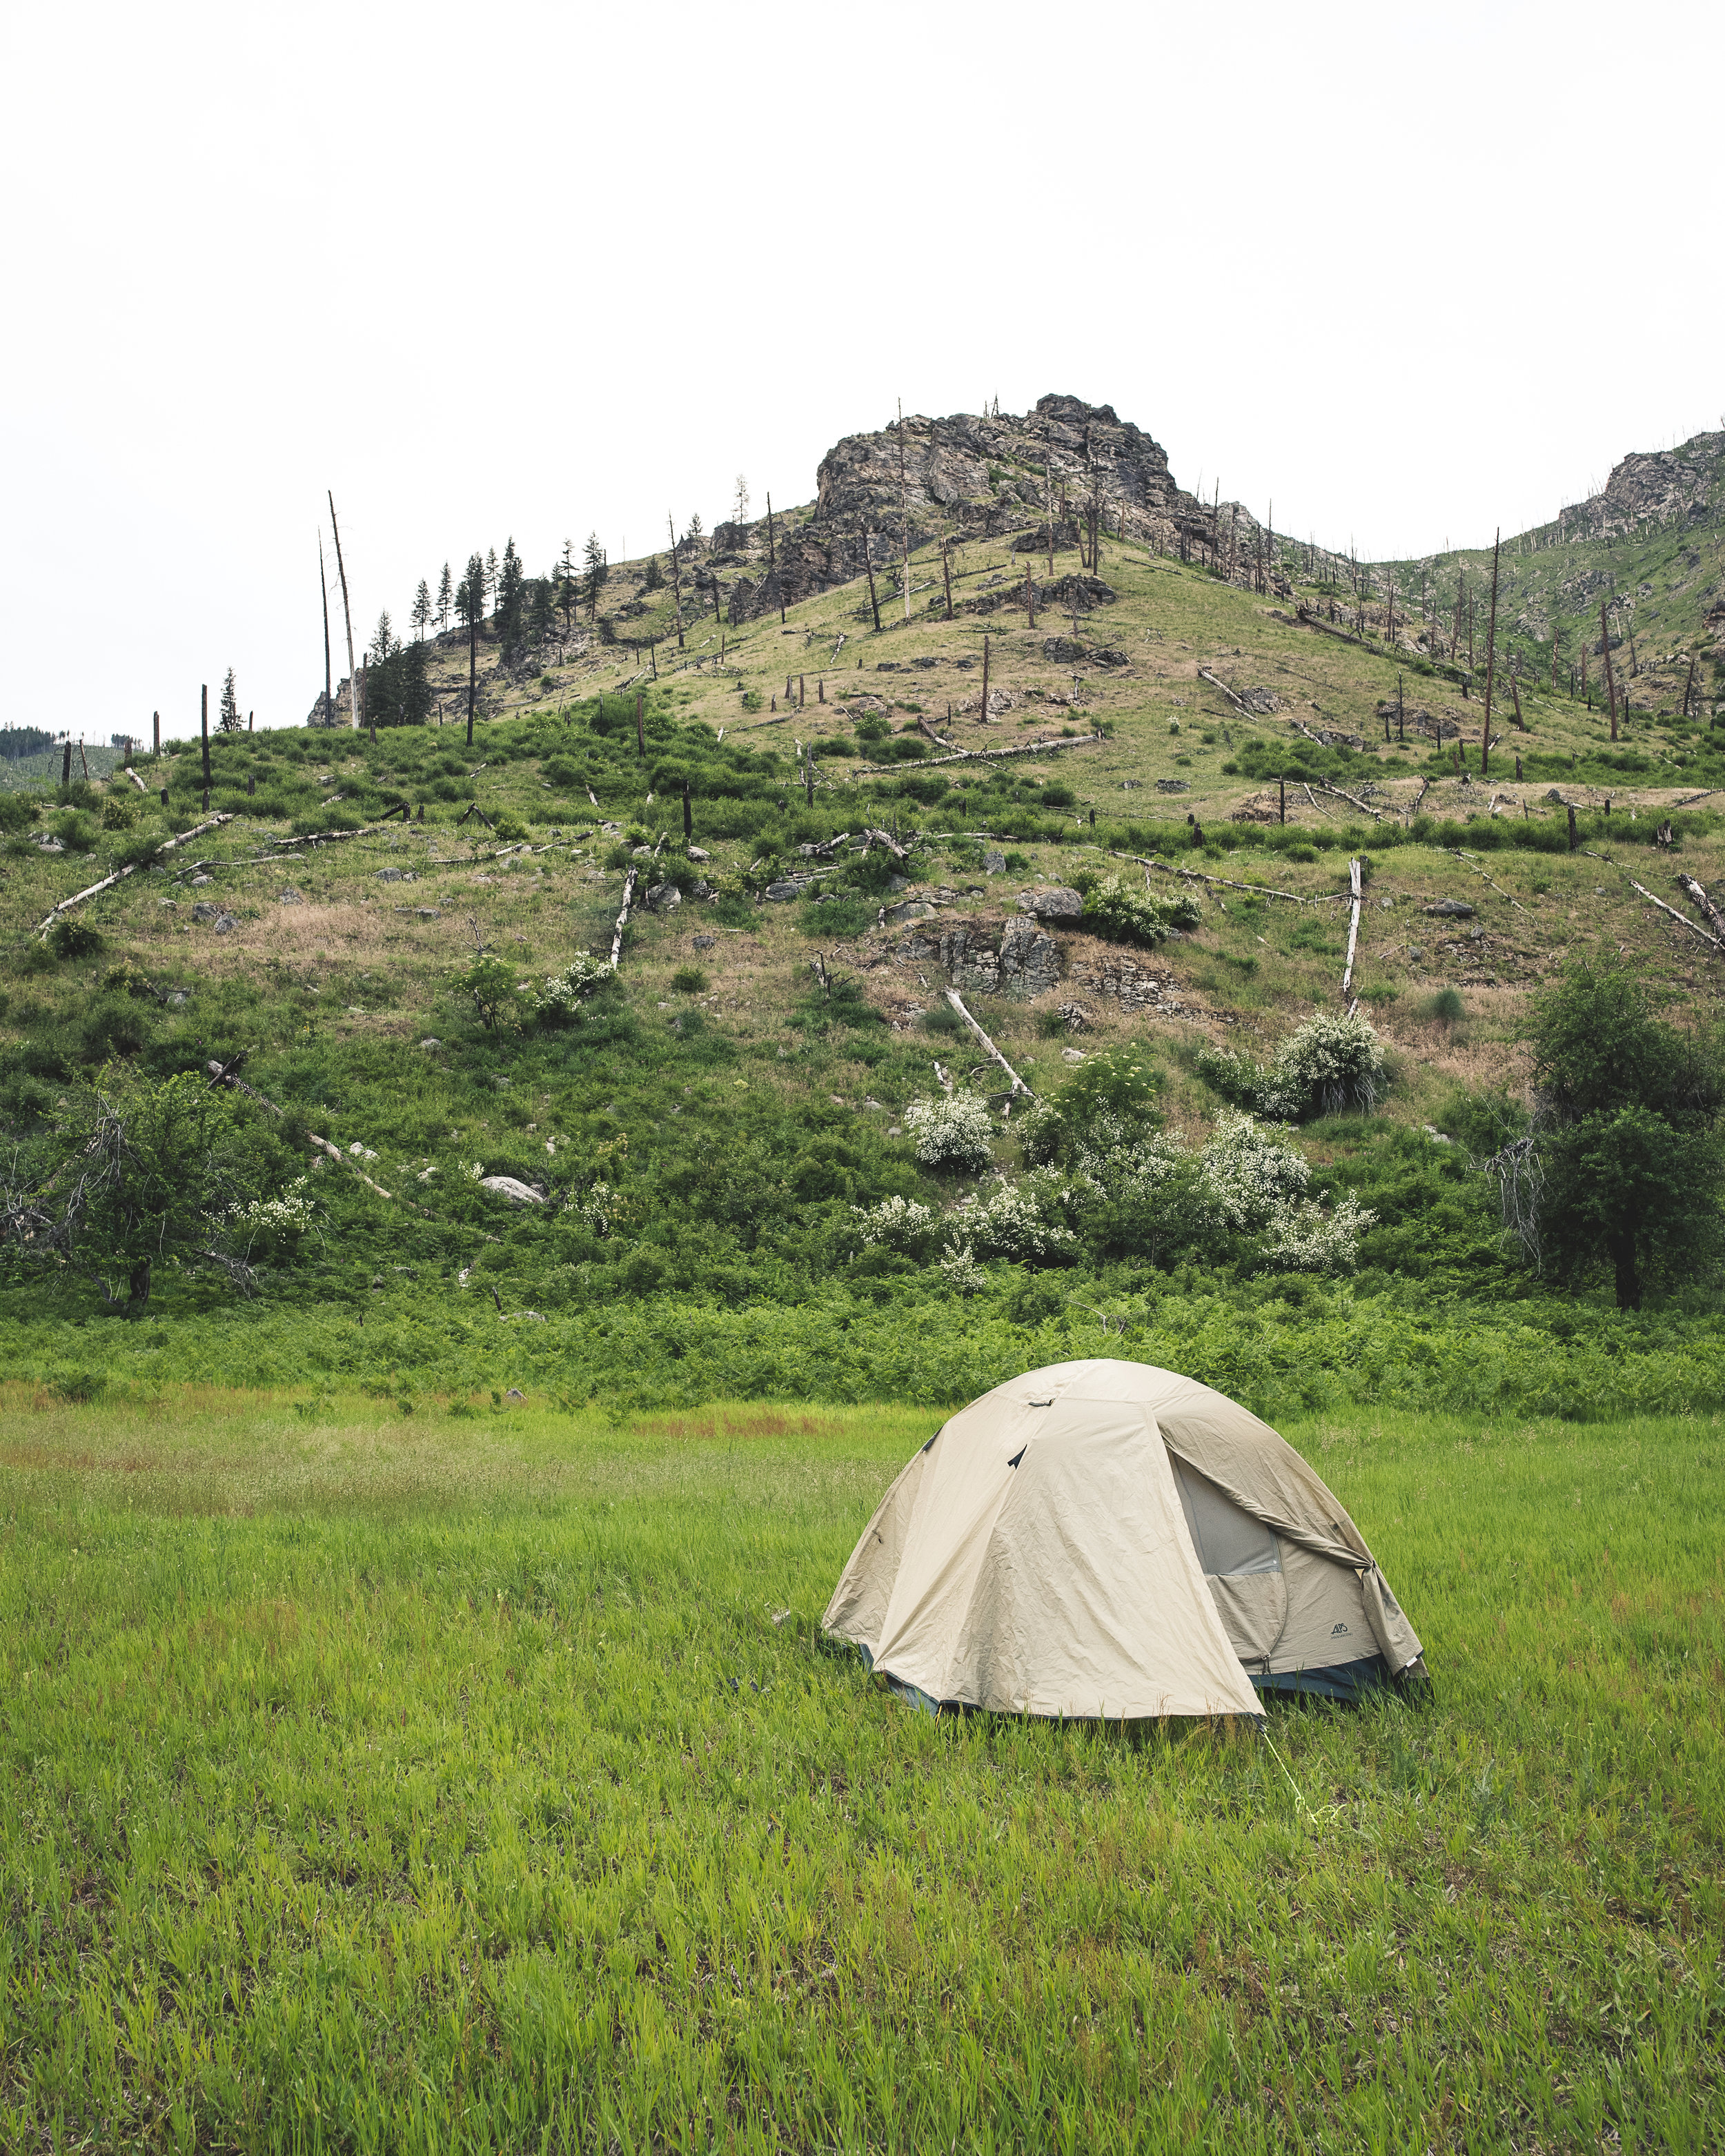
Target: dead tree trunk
(676, 576)
(1611, 677)
(869, 565)
(1354, 886)
(1491, 659)
(347, 616)
(323, 585)
(628, 892)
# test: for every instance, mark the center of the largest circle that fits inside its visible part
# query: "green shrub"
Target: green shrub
(72, 939)
(1123, 915)
(1445, 1007)
(689, 981)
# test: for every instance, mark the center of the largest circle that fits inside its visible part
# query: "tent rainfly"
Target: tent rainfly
(1105, 1540)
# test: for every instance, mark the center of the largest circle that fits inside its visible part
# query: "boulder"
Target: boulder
(289, 897)
(518, 1193)
(1061, 650)
(391, 875)
(994, 864)
(699, 854)
(203, 910)
(1451, 909)
(664, 898)
(1173, 786)
(784, 891)
(1052, 903)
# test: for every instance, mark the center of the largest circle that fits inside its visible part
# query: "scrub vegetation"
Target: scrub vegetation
(479, 1779)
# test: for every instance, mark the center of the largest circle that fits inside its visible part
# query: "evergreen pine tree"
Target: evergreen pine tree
(382, 639)
(511, 605)
(422, 609)
(593, 555)
(655, 579)
(229, 721)
(567, 582)
(492, 574)
(445, 598)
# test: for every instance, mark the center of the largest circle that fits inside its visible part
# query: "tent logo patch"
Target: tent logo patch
(1335, 1628)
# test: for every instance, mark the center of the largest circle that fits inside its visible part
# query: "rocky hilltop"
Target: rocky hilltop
(969, 476)
(1685, 486)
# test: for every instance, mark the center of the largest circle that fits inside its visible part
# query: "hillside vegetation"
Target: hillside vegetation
(706, 1129)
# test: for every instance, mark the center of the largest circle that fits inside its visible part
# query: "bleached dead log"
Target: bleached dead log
(878, 838)
(1341, 794)
(1670, 910)
(1355, 885)
(1018, 1084)
(1239, 702)
(227, 1074)
(1484, 878)
(135, 780)
(1228, 883)
(1694, 892)
(628, 892)
(992, 755)
(120, 876)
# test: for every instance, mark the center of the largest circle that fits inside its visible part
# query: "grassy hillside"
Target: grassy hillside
(729, 1111)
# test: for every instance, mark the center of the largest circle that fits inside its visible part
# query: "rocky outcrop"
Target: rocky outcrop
(969, 476)
(1012, 958)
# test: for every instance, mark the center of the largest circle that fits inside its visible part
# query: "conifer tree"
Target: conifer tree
(382, 639)
(445, 598)
(492, 574)
(511, 602)
(422, 609)
(566, 577)
(655, 579)
(597, 569)
(229, 721)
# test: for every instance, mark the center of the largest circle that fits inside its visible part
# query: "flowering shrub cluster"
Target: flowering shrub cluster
(1324, 1067)
(896, 1224)
(1017, 1220)
(560, 1000)
(953, 1131)
(1123, 915)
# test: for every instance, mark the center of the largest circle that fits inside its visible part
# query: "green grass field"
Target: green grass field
(444, 1782)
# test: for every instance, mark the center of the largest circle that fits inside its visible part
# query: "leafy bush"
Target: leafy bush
(896, 1224)
(952, 1131)
(491, 986)
(559, 1002)
(688, 980)
(1019, 1220)
(1324, 1067)
(69, 938)
(118, 813)
(76, 832)
(1123, 914)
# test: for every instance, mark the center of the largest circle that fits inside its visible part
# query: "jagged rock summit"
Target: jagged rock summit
(972, 476)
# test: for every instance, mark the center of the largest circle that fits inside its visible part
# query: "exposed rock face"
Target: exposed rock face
(974, 477)
(1012, 958)
(1052, 903)
(1666, 484)
(1128, 982)
(511, 1188)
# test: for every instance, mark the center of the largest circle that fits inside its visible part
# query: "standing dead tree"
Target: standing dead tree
(1611, 677)
(323, 585)
(1490, 658)
(676, 576)
(1358, 893)
(353, 689)
(628, 892)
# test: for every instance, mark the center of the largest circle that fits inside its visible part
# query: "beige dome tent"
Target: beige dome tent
(1104, 1539)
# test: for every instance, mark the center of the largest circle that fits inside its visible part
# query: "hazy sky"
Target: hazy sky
(537, 271)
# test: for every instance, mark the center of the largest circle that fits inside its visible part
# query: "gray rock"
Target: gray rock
(224, 923)
(289, 897)
(1173, 786)
(784, 891)
(1053, 902)
(197, 880)
(518, 1193)
(994, 864)
(427, 913)
(664, 898)
(49, 846)
(203, 910)
(1061, 650)
(178, 998)
(704, 942)
(909, 909)
(898, 883)
(431, 1040)
(702, 889)
(393, 876)
(699, 854)
(1450, 909)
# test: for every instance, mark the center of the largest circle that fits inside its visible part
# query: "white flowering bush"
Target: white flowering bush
(961, 1270)
(896, 1224)
(1305, 1238)
(1325, 1066)
(1252, 1175)
(952, 1131)
(290, 1215)
(600, 1205)
(559, 1001)
(1017, 1220)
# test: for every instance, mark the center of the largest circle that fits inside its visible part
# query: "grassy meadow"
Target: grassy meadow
(478, 1778)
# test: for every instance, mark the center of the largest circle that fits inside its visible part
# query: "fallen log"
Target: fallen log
(1238, 702)
(628, 892)
(1359, 894)
(226, 1074)
(1694, 891)
(120, 876)
(1480, 873)
(1714, 941)
(990, 755)
(1228, 883)
(957, 1001)
(135, 780)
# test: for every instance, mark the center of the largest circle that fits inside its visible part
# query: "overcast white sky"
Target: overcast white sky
(539, 270)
